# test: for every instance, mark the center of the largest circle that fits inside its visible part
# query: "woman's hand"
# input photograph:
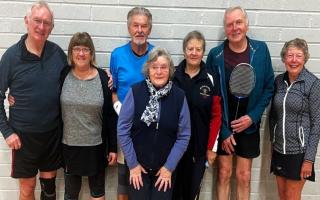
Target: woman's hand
(135, 177)
(112, 158)
(306, 169)
(164, 179)
(211, 156)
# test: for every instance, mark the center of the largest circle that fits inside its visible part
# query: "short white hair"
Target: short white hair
(40, 4)
(231, 9)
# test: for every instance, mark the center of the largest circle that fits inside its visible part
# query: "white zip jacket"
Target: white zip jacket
(295, 115)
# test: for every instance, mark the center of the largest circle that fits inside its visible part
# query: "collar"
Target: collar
(180, 70)
(301, 77)
(139, 56)
(25, 54)
(252, 44)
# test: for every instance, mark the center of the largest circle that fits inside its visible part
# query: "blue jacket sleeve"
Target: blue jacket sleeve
(267, 90)
(183, 137)
(124, 130)
(5, 128)
(272, 117)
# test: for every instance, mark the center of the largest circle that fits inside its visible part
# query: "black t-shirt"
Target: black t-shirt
(232, 59)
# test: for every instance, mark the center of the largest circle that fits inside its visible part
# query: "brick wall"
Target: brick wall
(274, 21)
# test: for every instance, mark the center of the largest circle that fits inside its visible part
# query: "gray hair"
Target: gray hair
(40, 4)
(194, 35)
(155, 53)
(231, 9)
(139, 11)
(298, 43)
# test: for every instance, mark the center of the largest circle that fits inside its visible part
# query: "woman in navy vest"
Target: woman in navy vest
(154, 129)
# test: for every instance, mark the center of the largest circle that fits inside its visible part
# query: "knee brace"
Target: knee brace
(48, 188)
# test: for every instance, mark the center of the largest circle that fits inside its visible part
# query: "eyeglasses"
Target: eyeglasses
(45, 23)
(161, 68)
(84, 50)
(296, 56)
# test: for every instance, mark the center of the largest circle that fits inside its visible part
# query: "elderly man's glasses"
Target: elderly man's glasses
(84, 50)
(45, 23)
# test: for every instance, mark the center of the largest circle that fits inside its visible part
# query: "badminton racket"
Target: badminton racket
(242, 81)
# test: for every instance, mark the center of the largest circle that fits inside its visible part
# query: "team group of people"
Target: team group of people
(161, 124)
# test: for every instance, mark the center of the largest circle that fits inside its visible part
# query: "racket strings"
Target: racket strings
(242, 81)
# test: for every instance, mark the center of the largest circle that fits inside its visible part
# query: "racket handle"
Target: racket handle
(236, 115)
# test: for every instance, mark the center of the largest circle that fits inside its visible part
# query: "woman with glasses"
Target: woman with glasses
(154, 129)
(294, 122)
(89, 127)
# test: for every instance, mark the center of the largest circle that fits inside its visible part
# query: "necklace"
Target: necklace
(82, 76)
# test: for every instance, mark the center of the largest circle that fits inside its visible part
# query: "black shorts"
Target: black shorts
(248, 145)
(84, 160)
(289, 166)
(39, 152)
(123, 179)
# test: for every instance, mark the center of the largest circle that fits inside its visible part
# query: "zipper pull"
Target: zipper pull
(157, 127)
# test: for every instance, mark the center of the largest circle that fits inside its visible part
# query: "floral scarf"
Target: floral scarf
(151, 112)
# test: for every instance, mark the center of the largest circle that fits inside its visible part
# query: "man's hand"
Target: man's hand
(13, 141)
(112, 158)
(241, 124)
(306, 169)
(164, 179)
(110, 82)
(227, 145)
(211, 156)
(136, 178)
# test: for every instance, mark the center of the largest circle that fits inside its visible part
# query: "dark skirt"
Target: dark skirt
(84, 160)
(289, 166)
